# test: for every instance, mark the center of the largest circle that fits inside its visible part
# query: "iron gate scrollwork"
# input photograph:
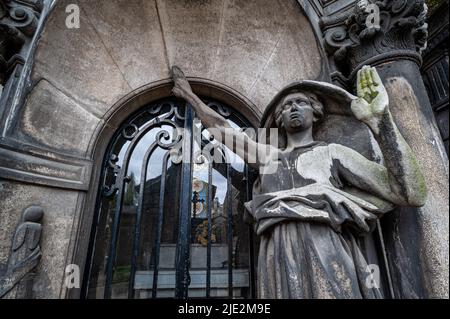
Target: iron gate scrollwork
(170, 217)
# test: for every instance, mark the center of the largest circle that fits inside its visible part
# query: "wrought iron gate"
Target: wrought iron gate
(167, 214)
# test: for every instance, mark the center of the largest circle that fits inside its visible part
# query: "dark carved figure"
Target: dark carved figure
(313, 199)
(24, 257)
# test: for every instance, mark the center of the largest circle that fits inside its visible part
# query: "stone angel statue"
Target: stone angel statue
(24, 257)
(310, 209)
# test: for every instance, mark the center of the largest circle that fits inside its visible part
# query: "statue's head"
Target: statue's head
(298, 112)
(33, 214)
(302, 105)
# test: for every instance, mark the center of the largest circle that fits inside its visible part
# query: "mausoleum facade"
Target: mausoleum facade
(91, 206)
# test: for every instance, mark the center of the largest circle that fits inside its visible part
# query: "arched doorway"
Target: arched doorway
(169, 221)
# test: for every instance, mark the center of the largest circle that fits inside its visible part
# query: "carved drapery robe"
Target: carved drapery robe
(308, 214)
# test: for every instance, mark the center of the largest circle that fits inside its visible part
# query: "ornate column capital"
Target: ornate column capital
(18, 22)
(373, 32)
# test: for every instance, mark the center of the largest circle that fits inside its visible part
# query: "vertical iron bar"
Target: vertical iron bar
(184, 243)
(137, 231)
(230, 230)
(119, 201)
(208, 252)
(159, 225)
(115, 234)
(251, 251)
(93, 237)
(385, 259)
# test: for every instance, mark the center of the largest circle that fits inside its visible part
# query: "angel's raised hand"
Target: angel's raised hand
(373, 100)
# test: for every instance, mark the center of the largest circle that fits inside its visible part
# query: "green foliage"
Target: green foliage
(122, 274)
(433, 4)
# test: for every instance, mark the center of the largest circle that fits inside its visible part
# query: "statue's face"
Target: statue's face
(297, 113)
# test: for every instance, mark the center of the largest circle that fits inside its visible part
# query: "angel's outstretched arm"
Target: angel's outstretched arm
(253, 153)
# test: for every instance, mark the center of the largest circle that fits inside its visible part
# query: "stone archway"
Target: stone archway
(133, 102)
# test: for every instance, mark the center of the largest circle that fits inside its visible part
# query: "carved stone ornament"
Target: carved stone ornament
(25, 255)
(376, 31)
(18, 22)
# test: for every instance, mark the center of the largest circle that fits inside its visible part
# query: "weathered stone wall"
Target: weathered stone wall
(252, 47)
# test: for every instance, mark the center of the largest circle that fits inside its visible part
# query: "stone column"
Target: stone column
(416, 239)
